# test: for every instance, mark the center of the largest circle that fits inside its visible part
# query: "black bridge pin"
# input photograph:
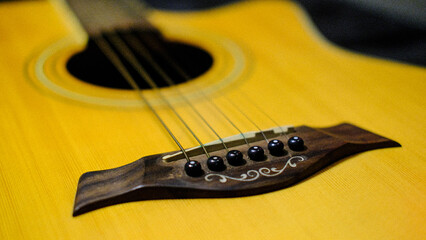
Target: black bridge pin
(256, 153)
(296, 143)
(193, 168)
(276, 147)
(235, 158)
(215, 163)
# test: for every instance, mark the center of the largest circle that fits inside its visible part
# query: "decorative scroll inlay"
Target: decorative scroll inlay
(252, 175)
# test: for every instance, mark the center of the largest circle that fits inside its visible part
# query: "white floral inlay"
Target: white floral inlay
(252, 175)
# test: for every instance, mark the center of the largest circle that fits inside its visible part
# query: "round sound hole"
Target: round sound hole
(179, 61)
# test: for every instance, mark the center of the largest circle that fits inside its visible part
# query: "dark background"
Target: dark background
(391, 29)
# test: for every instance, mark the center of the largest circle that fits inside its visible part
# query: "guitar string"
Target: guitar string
(106, 49)
(186, 77)
(282, 133)
(270, 118)
(142, 51)
(129, 8)
(247, 117)
(130, 57)
(262, 132)
(127, 53)
(138, 45)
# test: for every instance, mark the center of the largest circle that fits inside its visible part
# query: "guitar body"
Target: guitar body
(266, 54)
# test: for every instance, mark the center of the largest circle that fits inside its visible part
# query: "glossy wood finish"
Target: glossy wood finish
(47, 140)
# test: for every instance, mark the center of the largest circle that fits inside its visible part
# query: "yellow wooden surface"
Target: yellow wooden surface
(47, 141)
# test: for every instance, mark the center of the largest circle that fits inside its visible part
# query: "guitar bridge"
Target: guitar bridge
(163, 176)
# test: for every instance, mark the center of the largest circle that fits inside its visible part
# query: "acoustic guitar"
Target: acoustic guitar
(246, 122)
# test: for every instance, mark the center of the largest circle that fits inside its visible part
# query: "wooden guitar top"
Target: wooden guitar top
(54, 128)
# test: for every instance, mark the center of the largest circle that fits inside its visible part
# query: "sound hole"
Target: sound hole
(92, 66)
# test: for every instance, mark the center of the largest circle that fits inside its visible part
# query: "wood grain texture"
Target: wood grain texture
(47, 141)
(152, 178)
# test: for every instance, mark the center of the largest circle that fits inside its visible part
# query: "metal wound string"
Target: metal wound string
(130, 57)
(137, 44)
(115, 60)
(141, 50)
